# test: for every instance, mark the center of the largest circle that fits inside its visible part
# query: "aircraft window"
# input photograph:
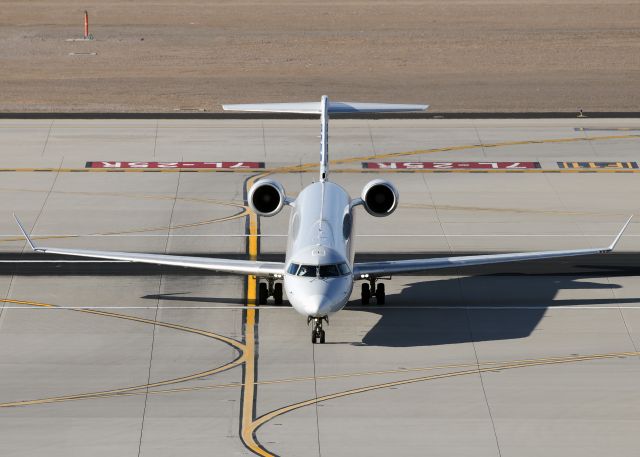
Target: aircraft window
(307, 270)
(322, 271)
(327, 271)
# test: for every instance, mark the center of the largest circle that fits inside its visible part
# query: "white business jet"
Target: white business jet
(319, 270)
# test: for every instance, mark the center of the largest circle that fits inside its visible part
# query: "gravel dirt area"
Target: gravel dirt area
(458, 56)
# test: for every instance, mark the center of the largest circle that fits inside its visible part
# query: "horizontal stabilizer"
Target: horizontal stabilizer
(334, 107)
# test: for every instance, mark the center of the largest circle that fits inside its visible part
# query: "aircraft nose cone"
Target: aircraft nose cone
(313, 304)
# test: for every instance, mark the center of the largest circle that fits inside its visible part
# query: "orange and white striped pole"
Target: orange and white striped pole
(86, 25)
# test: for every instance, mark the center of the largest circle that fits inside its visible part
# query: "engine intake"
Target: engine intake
(266, 197)
(380, 198)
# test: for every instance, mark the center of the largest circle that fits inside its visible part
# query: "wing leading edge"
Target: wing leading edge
(242, 267)
(414, 265)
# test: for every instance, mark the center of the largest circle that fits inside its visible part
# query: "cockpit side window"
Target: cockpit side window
(344, 269)
(293, 268)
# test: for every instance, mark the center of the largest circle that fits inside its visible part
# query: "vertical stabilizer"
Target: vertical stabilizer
(324, 138)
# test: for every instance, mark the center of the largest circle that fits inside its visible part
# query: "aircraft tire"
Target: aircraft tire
(263, 293)
(365, 293)
(380, 294)
(277, 293)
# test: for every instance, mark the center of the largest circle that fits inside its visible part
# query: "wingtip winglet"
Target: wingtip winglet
(619, 235)
(25, 234)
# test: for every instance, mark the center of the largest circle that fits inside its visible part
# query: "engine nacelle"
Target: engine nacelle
(266, 197)
(380, 198)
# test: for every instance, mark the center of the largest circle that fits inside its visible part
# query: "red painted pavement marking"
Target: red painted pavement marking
(175, 165)
(451, 165)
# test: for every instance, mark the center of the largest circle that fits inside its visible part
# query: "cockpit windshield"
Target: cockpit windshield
(320, 271)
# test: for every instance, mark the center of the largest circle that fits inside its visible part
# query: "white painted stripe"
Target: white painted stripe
(26, 306)
(423, 235)
(349, 308)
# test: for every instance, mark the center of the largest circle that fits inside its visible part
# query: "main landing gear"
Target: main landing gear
(317, 334)
(271, 288)
(369, 289)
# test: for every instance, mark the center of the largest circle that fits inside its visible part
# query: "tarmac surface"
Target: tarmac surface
(528, 359)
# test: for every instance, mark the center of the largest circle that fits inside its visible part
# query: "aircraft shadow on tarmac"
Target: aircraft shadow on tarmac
(185, 297)
(440, 311)
(508, 306)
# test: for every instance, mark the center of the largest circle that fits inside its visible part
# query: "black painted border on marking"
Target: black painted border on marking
(248, 116)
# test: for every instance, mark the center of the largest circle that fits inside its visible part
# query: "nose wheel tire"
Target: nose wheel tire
(317, 333)
(317, 337)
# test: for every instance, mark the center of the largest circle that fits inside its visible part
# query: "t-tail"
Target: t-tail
(324, 108)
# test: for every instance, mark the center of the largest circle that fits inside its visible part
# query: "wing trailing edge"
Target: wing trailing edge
(242, 267)
(415, 265)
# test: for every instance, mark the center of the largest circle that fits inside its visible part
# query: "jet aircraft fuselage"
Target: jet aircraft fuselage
(319, 262)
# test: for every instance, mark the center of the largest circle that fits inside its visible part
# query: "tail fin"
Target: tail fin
(324, 108)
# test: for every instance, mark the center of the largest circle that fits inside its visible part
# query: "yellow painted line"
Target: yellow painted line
(166, 197)
(481, 145)
(249, 378)
(235, 344)
(530, 363)
(308, 166)
(244, 211)
(140, 230)
(340, 376)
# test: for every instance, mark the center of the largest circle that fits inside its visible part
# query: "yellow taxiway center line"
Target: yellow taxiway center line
(249, 378)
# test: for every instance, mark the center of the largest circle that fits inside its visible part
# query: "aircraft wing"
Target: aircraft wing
(242, 267)
(415, 265)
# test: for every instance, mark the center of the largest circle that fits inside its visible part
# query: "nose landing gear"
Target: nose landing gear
(317, 334)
